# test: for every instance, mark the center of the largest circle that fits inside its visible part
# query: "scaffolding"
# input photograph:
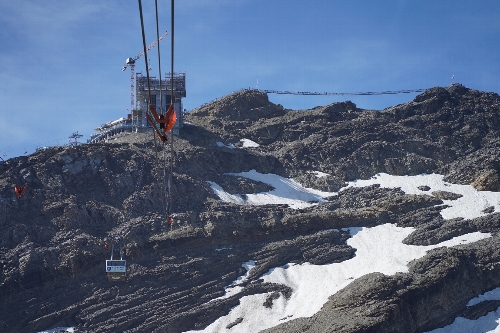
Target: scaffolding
(137, 118)
(161, 104)
(136, 121)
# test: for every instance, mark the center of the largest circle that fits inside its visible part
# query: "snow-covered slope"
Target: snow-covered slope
(378, 249)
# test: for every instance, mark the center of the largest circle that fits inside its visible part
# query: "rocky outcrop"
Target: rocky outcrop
(243, 106)
(52, 240)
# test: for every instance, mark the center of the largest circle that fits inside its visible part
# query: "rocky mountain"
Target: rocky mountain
(52, 240)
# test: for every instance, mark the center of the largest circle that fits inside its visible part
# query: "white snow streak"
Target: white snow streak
(286, 191)
(249, 143)
(59, 329)
(236, 287)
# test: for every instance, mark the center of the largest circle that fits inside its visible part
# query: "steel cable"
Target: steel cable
(367, 93)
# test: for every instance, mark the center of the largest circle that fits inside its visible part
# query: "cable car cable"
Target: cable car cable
(163, 188)
(172, 101)
(145, 50)
(366, 93)
(116, 270)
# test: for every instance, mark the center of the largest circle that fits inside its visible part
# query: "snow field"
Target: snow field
(378, 249)
(287, 191)
(469, 206)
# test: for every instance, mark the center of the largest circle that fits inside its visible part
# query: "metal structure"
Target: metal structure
(179, 92)
(130, 62)
(136, 121)
(112, 128)
(75, 136)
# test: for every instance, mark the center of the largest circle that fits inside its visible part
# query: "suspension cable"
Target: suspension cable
(172, 55)
(164, 185)
(148, 77)
(172, 101)
(166, 197)
(159, 57)
(145, 51)
(367, 93)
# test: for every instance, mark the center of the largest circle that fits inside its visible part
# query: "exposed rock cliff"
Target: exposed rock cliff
(51, 241)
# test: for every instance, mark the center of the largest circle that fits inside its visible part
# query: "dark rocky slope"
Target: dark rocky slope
(51, 241)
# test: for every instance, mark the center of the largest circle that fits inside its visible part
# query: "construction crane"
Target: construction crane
(130, 62)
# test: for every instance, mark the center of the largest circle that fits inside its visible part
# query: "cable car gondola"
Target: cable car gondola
(116, 270)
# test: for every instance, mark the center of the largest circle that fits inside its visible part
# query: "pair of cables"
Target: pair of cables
(167, 174)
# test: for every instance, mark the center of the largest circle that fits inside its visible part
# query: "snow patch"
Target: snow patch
(224, 196)
(472, 204)
(286, 191)
(235, 287)
(469, 206)
(249, 143)
(489, 323)
(492, 295)
(59, 329)
(378, 249)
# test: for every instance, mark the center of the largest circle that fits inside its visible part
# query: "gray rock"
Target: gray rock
(80, 198)
(445, 195)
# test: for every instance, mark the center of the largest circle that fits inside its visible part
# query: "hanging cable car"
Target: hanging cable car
(116, 270)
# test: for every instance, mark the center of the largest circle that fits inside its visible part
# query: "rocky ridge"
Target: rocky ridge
(51, 240)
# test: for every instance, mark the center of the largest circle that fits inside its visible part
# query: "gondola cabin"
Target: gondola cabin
(116, 270)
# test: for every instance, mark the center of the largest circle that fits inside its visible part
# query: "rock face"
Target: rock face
(52, 240)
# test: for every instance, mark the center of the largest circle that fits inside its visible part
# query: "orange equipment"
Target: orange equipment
(162, 124)
(20, 191)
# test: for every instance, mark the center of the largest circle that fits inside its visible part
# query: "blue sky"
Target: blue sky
(61, 60)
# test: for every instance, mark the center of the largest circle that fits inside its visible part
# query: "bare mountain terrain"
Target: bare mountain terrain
(52, 240)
